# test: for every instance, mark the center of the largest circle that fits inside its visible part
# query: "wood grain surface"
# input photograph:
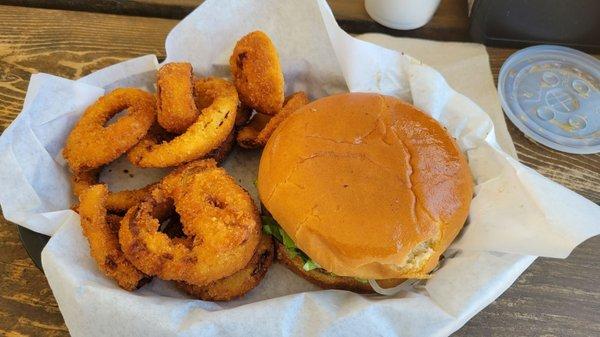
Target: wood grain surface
(448, 23)
(552, 298)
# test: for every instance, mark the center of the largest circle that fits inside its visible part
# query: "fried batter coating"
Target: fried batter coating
(247, 137)
(218, 217)
(241, 282)
(210, 129)
(91, 144)
(257, 133)
(220, 153)
(102, 234)
(257, 73)
(121, 201)
(243, 115)
(118, 202)
(176, 107)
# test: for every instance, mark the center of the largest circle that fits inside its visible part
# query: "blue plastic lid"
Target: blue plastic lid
(552, 94)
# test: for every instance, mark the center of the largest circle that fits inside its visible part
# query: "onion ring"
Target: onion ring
(243, 115)
(210, 129)
(220, 221)
(257, 73)
(121, 201)
(118, 202)
(102, 234)
(247, 136)
(91, 144)
(257, 133)
(241, 282)
(176, 108)
(220, 153)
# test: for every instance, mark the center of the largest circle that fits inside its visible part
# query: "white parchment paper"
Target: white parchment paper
(516, 214)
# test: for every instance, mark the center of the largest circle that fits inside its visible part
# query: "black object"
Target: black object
(34, 243)
(518, 23)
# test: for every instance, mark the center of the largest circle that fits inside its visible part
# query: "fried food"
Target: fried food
(176, 107)
(220, 153)
(259, 130)
(121, 201)
(101, 230)
(247, 137)
(292, 103)
(219, 219)
(118, 202)
(243, 115)
(241, 282)
(219, 100)
(257, 73)
(158, 135)
(91, 144)
(196, 226)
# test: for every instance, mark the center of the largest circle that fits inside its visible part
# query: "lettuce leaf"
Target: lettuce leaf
(310, 265)
(271, 227)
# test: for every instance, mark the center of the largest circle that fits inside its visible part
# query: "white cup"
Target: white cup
(401, 14)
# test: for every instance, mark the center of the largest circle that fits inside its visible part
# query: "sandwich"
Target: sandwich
(361, 186)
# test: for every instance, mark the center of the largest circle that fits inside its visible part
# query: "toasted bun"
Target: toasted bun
(320, 277)
(327, 280)
(366, 185)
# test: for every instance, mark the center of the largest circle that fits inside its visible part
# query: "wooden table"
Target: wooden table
(72, 38)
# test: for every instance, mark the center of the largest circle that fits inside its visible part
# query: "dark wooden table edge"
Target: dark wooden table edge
(356, 25)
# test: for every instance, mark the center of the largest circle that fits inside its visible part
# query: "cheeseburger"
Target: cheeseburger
(362, 187)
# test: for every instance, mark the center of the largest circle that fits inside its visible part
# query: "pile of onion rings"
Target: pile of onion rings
(196, 226)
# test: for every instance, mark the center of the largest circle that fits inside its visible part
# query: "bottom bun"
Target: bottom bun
(327, 280)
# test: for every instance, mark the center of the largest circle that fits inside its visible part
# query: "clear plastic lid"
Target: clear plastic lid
(552, 94)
